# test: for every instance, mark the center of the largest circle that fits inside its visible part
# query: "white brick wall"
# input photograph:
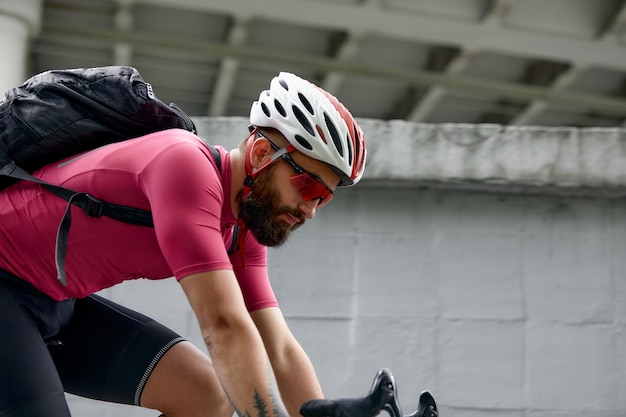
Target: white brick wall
(502, 306)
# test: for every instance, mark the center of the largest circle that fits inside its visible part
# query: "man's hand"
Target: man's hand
(382, 396)
(345, 407)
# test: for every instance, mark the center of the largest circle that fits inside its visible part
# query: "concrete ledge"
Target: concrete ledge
(491, 158)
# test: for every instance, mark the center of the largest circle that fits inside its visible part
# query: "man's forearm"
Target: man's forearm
(245, 373)
(234, 344)
(296, 379)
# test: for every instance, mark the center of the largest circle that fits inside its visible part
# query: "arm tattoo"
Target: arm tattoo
(260, 405)
(277, 409)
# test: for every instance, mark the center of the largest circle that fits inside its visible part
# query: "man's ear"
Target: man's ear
(260, 153)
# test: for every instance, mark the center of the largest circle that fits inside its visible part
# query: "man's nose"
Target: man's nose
(308, 208)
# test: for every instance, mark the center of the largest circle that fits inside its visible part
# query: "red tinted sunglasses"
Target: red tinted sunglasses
(310, 186)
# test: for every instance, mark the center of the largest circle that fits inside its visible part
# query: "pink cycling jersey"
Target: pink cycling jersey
(172, 174)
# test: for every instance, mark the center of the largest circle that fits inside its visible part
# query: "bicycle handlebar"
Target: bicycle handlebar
(382, 396)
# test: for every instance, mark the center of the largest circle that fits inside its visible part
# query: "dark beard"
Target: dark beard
(260, 212)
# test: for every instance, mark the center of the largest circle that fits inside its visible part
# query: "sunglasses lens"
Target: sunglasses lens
(311, 189)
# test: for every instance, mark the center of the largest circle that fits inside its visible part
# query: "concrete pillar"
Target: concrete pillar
(20, 21)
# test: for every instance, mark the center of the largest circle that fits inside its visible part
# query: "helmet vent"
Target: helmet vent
(303, 120)
(357, 149)
(348, 141)
(280, 108)
(334, 134)
(321, 133)
(306, 103)
(266, 110)
(283, 84)
(302, 141)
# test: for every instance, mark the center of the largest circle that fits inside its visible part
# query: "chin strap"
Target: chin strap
(248, 182)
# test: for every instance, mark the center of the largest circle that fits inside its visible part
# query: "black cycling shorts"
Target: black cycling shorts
(90, 347)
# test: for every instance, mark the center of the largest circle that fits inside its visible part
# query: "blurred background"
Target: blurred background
(549, 63)
(482, 256)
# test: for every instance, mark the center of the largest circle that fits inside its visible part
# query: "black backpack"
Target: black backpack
(60, 113)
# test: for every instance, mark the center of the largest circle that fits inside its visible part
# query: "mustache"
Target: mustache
(292, 212)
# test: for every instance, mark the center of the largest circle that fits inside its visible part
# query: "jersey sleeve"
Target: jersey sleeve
(186, 198)
(252, 275)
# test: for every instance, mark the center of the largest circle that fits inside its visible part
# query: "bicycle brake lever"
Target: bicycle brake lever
(427, 407)
(384, 385)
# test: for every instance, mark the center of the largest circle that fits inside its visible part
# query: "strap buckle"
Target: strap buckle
(93, 206)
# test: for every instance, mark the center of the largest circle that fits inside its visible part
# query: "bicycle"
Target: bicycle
(382, 396)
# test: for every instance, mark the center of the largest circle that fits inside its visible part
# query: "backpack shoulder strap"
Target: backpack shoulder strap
(216, 157)
(91, 206)
(218, 162)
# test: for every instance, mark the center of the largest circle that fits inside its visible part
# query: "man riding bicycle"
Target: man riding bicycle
(59, 337)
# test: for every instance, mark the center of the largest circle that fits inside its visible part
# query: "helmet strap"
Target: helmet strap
(248, 181)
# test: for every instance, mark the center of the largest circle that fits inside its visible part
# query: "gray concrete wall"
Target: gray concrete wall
(504, 298)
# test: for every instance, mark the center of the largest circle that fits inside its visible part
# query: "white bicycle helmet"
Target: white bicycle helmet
(315, 123)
